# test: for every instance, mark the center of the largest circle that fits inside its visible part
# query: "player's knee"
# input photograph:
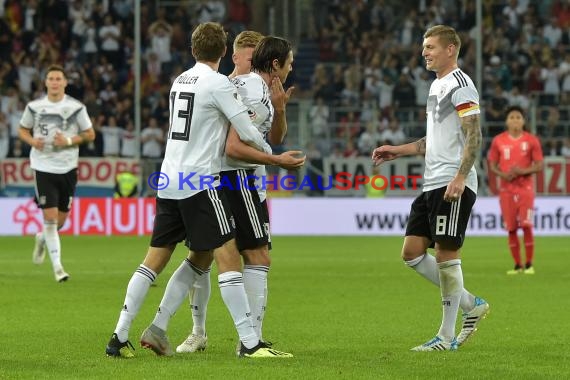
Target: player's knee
(257, 256)
(411, 253)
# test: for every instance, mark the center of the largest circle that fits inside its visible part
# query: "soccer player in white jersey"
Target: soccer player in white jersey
(271, 62)
(202, 104)
(439, 216)
(54, 126)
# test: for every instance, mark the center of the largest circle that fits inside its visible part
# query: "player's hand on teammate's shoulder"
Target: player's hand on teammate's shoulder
(291, 160)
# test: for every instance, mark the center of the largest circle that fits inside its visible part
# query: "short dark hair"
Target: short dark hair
(55, 67)
(209, 42)
(270, 48)
(513, 109)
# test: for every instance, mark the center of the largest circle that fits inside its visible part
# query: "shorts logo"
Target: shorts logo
(42, 200)
(232, 222)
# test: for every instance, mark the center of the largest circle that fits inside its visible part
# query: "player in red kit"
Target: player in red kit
(514, 156)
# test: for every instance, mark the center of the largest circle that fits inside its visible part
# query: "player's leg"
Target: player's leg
(48, 198)
(199, 297)
(65, 184)
(252, 238)
(526, 215)
(168, 230)
(509, 212)
(197, 264)
(416, 243)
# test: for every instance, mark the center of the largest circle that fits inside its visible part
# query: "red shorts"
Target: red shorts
(517, 209)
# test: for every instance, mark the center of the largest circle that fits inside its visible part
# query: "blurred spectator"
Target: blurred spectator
(111, 137)
(393, 135)
(4, 136)
(565, 151)
(516, 98)
(89, 42)
(152, 139)
(210, 11)
(129, 141)
(110, 36)
(552, 32)
(239, 16)
(319, 117)
(495, 108)
(404, 96)
(160, 33)
(368, 140)
(350, 151)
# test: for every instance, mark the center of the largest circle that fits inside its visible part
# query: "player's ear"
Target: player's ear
(275, 65)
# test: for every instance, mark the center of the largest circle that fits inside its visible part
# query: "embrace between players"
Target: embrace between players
(200, 140)
(200, 111)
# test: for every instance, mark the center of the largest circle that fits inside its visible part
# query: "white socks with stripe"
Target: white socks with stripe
(199, 303)
(51, 236)
(451, 279)
(136, 293)
(426, 266)
(255, 283)
(176, 290)
(233, 294)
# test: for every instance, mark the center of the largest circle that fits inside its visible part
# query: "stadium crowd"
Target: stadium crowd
(369, 84)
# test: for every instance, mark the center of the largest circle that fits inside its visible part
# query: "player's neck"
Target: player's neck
(515, 134)
(213, 65)
(54, 98)
(266, 77)
(443, 72)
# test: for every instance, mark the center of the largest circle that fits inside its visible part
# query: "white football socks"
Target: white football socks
(233, 294)
(451, 279)
(199, 302)
(426, 266)
(176, 290)
(136, 293)
(255, 283)
(51, 236)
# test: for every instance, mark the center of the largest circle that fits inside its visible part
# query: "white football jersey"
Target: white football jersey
(201, 103)
(450, 98)
(254, 93)
(45, 118)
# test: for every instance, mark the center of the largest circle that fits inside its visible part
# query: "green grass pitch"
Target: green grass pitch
(346, 307)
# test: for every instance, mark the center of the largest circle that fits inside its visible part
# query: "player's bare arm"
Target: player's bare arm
(471, 128)
(279, 99)
(25, 135)
(472, 131)
(421, 146)
(391, 152)
(237, 149)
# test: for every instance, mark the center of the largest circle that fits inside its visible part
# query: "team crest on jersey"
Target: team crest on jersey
(442, 90)
(252, 114)
(524, 146)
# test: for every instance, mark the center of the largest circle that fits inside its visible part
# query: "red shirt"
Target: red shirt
(509, 152)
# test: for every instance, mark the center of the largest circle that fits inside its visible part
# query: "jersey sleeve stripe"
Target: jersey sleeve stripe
(460, 79)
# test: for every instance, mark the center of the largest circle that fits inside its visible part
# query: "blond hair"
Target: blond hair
(247, 39)
(447, 35)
